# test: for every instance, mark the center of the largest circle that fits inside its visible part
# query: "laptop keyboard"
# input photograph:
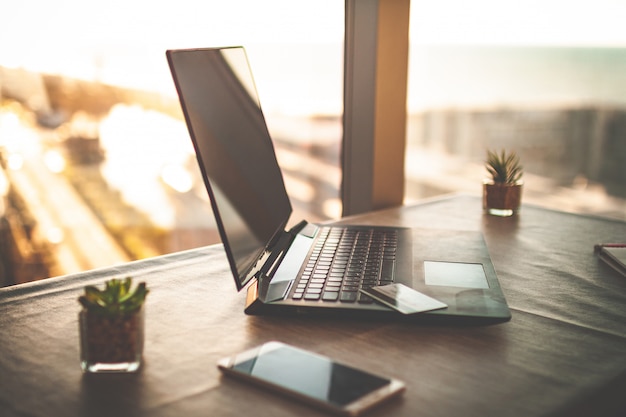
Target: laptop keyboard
(345, 260)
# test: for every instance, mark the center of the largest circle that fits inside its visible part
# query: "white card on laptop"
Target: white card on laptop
(404, 299)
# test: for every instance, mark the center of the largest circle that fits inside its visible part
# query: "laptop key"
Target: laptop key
(346, 262)
(348, 296)
(386, 273)
(330, 296)
(369, 282)
(365, 299)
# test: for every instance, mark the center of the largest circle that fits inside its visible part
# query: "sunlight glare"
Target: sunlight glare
(177, 177)
(54, 161)
(15, 161)
(138, 144)
(55, 235)
(332, 208)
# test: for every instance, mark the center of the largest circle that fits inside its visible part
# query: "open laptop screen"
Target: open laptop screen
(234, 150)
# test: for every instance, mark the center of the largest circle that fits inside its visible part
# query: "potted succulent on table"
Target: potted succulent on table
(502, 193)
(111, 325)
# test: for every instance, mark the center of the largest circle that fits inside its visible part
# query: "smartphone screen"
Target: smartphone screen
(312, 377)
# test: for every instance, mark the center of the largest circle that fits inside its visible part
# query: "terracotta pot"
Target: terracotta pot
(502, 199)
(111, 344)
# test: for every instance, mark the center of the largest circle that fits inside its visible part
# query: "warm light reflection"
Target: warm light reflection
(299, 190)
(138, 143)
(54, 161)
(55, 235)
(178, 178)
(5, 186)
(332, 208)
(11, 130)
(15, 162)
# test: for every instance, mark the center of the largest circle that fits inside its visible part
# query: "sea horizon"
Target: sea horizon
(307, 79)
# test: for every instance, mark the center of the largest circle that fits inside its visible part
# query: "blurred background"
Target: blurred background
(96, 165)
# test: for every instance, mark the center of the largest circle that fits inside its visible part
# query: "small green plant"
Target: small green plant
(504, 168)
(116, 299)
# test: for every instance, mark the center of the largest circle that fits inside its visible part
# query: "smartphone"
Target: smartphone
(312, 378)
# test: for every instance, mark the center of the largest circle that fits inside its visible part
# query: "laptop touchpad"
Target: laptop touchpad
(455, 274)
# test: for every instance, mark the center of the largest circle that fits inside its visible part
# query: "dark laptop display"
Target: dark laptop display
(236, 154)
(310, 268)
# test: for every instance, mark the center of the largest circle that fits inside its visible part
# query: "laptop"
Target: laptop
(288, 272)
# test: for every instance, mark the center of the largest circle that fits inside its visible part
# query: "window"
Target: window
(545, 78)
(96, 163)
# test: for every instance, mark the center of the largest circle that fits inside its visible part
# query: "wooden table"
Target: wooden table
(563, 352)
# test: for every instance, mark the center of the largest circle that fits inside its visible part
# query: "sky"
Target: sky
(528, 22)
(44, 23)
(89, 39)
(33, 31)
(123, 41)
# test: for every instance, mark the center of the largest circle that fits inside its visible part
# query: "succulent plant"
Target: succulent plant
(504, 168)
(116, 299)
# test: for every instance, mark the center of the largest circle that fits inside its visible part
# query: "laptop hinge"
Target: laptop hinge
(278, 250)
(270, 259)
(269, 291)
(277, 289)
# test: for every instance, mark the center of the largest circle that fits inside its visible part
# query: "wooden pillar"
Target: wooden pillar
(375, 89)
